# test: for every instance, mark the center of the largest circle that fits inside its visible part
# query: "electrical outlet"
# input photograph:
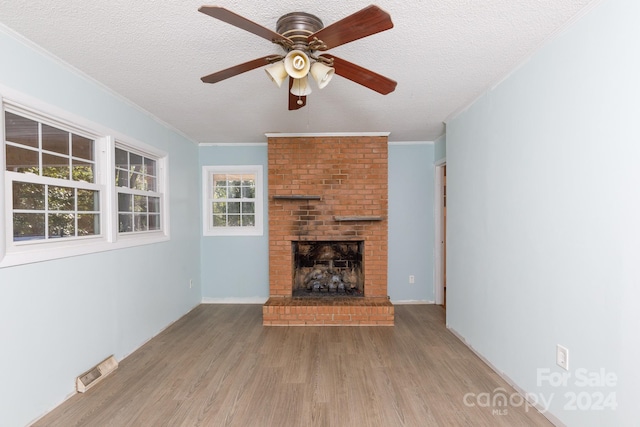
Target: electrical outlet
(412, 279)
(562, 357)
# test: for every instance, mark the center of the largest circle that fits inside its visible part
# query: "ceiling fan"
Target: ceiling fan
(301, 35)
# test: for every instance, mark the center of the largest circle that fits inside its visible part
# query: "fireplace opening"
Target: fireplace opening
(328, 268)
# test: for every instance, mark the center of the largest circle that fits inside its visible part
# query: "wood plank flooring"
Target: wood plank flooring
(218, 366)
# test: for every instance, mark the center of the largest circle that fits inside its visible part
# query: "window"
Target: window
(232, 200)
(136, 180)
(72, 187)
(52, 173)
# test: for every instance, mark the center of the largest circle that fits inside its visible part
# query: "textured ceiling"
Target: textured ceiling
(442, 53)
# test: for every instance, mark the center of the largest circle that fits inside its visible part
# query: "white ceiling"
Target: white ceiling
(442, 53)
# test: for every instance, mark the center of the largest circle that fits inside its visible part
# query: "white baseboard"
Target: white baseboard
(553, 419)
(247, 300)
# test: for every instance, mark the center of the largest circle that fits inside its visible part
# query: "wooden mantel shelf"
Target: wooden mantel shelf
(295, 197)
(357, 218)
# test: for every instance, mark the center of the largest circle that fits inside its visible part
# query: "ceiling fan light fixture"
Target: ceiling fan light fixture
(322, 74)
(297, 64)
(277, 72)
(301, 87)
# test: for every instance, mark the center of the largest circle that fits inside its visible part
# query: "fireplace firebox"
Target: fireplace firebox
(328, 268)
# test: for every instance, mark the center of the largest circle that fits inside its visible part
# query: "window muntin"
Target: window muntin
(139, 202)
(37, 148)
(52, 175)
(58, 186)
(233, 200)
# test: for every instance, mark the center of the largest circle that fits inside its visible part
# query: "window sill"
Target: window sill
(29, 254)
(233, 232)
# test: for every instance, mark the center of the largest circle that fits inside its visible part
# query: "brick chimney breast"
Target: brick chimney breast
(328, 188)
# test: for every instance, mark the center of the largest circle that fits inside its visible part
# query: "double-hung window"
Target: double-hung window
(72, 187)
(139, 197)
(51, 171)
(232, 200)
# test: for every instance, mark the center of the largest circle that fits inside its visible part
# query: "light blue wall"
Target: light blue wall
(411, 219)
(236, 268)
(59, 318)
(440, 147)
(225, 275)
(543, 218)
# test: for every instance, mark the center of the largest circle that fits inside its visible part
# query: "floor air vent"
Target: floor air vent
(94, 375)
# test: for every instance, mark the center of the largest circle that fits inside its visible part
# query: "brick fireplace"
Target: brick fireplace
(328, 201)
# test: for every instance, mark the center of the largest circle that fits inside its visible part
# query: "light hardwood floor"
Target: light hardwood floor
(218, 366)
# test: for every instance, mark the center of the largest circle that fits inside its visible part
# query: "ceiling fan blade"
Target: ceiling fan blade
(293, 99)
(368, 21)
(366, 78)
(241, 22)
(235, 70)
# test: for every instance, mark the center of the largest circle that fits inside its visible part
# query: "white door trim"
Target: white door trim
(439, 266)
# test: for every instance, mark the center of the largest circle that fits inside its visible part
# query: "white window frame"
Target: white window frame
(160, 192)
(207, 198)
(18, 253)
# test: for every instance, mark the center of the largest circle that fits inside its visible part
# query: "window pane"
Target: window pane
(82, 171)
(21, 130)
(122, 159)
(125, 202)
(55, 166)
(22, 160)
(248, 207)
(154, 222)
(150, 182)
(137, 182)
(82, 147)
(234, 207)
(219, 208)
(88, 224)
(233, 220)
(54, 139)
(150, 167)
(28, 196)
(248, 220)
(219, 220)
(235, 192)
(249, 192)
(88, 200)
(154, 204)
(135, 162)
(140, 222)
(61, 198)
(122, 178)
(61, 225)
(219, 187)
(125, 223)
(28, 226)
(140, 203)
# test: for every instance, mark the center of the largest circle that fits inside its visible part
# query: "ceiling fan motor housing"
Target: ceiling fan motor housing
(298, 26)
